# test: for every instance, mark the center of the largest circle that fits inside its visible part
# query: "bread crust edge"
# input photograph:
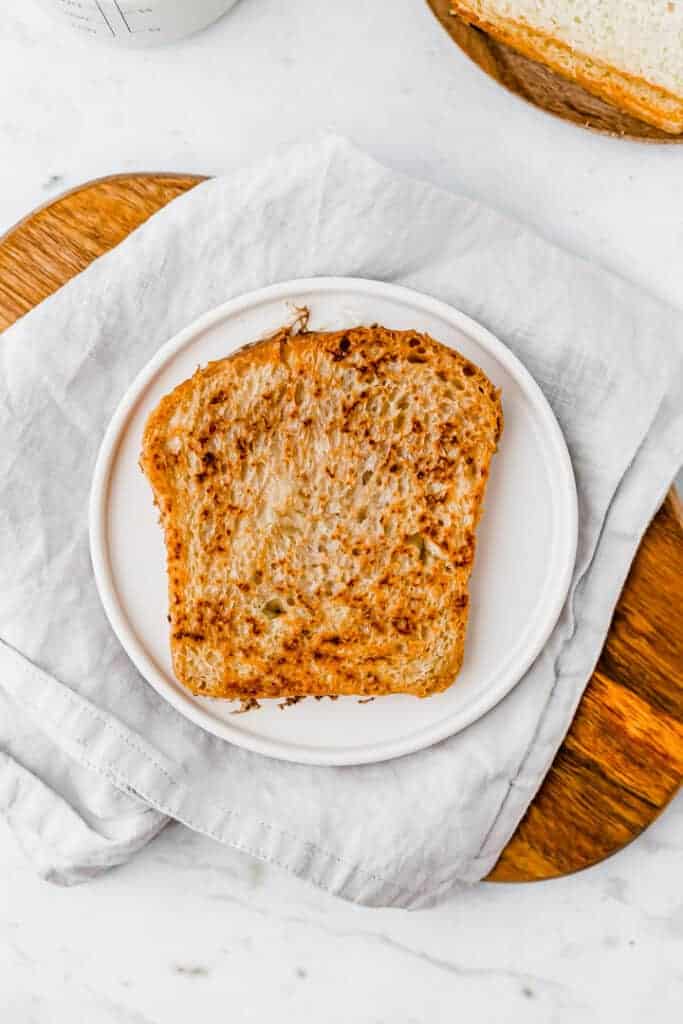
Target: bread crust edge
(596, 76)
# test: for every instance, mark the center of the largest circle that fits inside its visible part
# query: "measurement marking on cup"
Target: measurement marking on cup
(72, 9)
(104, 18)
(124, 19)
(137, 19)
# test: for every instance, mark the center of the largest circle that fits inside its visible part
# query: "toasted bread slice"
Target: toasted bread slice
(319, 494)
(624, 54)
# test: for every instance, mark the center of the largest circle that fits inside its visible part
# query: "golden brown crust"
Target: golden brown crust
(650, 102)
(319, 495)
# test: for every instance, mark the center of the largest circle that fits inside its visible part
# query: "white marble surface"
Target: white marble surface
(191, 929)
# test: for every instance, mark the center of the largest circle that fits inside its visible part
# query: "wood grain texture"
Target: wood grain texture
(60, 239)
(542, 87)
(622, 760)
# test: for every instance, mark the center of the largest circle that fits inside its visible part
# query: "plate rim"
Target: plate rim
(99, 503)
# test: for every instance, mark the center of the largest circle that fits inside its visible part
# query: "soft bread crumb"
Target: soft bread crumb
(630, 54)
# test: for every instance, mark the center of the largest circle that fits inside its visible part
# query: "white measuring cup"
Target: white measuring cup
(136, 23)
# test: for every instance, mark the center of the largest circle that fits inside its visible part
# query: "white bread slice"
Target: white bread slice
(319, 495)
(630, 54)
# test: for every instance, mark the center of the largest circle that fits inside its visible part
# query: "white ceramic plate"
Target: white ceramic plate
(525, 551)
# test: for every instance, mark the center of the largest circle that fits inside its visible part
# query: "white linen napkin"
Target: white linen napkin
(93, 762)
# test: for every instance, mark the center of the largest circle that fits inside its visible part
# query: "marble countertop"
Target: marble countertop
(190, 928)
(193, 931)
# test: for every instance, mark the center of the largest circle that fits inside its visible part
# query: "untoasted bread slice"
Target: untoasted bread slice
(602, 49)
(319, 495)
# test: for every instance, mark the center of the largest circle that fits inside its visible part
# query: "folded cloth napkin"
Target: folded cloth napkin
(94, 763)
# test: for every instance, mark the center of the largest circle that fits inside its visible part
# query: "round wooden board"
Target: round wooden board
(542, 87)
(622, 760)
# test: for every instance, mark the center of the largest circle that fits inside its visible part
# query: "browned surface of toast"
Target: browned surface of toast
(319, 494)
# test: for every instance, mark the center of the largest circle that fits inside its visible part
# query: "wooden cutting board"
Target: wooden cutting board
(622, 760)
(540, 86)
